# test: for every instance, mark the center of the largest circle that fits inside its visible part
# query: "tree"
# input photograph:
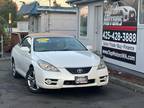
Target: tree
(8, 6)
(2, 2)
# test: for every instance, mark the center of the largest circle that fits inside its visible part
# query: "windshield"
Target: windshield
(57, 44)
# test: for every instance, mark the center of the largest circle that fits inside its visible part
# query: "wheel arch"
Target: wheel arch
(31, 68)
(12, 59)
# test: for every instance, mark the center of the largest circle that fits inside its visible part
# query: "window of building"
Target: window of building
(83, 20)
(141, 14)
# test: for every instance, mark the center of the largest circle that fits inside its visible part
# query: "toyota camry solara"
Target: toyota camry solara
(55, 62)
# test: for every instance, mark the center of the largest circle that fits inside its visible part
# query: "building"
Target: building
(49, 19)
(115, 29)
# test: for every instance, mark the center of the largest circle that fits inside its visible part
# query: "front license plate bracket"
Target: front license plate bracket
(81, 80)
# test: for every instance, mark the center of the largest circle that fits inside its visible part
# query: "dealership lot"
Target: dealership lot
(14, 94)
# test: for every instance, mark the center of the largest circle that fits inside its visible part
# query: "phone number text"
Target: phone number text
(120, 37)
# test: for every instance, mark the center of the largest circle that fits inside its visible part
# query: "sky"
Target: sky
(42, 2)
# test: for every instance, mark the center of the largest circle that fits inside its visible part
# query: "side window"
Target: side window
(26, 42)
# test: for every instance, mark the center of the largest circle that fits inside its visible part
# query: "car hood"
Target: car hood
(69, 58)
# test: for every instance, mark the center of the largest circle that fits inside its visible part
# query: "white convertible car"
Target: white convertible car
(55, 62)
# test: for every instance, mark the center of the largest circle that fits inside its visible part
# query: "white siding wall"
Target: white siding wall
(63, 22)
(22, 26)
(35, 26)
(30, 24)
(39, 24)
(59, 22)
(43, 23)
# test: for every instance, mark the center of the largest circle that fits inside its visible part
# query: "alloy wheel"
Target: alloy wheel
(31, 82)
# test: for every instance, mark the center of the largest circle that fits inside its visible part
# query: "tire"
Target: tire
(31, 82)
(15, 74)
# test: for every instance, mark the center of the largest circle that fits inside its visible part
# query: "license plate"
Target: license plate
(81, 80)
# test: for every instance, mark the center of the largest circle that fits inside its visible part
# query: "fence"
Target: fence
(1, 46)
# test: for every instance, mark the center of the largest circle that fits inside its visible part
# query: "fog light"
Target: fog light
(103, 78)
(48, 81)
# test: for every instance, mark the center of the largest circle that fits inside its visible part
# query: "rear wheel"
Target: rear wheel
(31, 82)
(14, 72)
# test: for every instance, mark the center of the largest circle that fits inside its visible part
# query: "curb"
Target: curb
(129, 85)
(5, 58)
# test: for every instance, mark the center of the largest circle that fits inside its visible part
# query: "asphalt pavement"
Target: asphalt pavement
(14, 94)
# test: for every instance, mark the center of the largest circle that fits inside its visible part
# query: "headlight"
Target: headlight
(46, 66)
(101, 65)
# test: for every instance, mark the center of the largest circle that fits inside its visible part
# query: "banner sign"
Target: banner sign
(119, 38)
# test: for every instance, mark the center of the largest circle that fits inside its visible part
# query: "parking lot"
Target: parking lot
(14, 94)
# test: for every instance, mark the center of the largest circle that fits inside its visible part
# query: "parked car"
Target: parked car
(54, 62)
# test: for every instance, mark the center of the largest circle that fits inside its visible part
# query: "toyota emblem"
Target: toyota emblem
(79, 71)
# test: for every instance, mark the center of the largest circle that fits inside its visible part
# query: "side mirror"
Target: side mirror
(26, 49)
(89, 47)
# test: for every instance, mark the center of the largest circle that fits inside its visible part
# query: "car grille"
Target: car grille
(82, 70)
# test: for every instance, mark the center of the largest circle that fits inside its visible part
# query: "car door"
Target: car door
(24, 55)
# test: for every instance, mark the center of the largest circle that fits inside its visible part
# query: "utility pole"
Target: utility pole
(1, 46)
(10, 22)
(10, 19)
(2, 35)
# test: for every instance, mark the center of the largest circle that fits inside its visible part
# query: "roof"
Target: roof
(57, 9)
(29, 9)
(81, 1)
(72, 1)
(34, 9)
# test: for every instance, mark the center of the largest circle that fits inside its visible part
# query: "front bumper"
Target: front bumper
(64, 79)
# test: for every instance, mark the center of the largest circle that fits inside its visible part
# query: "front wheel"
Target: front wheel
(31, 82)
